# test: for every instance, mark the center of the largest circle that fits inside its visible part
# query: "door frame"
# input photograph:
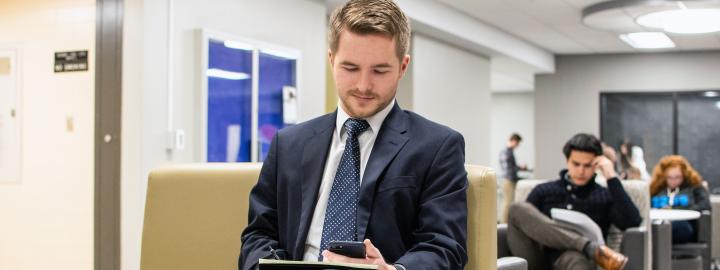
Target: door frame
(108, 115)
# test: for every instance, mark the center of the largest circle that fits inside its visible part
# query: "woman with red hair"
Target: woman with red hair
(676, 185)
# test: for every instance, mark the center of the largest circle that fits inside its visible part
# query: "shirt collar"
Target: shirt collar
(565, 176)
(375, 120)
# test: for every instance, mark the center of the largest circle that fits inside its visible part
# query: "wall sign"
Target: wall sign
(71, 61)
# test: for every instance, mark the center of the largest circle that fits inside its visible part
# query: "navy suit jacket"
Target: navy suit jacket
(412, 203)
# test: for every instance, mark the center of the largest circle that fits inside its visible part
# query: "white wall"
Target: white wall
(47, 218)
(452, 86)
(567, 102)
(513, 112)
(133, 172)
(293, 24)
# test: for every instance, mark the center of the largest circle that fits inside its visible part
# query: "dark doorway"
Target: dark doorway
(662, 123)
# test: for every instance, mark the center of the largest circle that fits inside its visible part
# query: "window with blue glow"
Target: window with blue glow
(229, 91)
(277, 74)
(251, 93)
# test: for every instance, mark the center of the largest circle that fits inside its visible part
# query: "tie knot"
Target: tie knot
(355, 126)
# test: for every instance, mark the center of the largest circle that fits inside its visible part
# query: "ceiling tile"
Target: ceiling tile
(607, 44)
(560, 44)
(634, 12)
(613, 20)
(581, 31)
(557, 13)
(569, 48)
(511, 19)
(531, 31)
(693, 42)
(582, 3)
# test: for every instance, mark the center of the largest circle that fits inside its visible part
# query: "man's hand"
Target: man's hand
(372, 256)
(606, 167)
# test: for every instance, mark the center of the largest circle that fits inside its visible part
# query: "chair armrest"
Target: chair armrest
(715, 246)
(633, 246)
(512, 263)
(705, 235)
(503, 250)
(704, 226)
(661, 245)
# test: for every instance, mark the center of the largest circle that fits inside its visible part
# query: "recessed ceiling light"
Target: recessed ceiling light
(683, 21)
(224, 74)
(711, 94)
(670, 16)
(648, 40)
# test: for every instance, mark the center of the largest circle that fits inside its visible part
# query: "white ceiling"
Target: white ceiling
(556, 26)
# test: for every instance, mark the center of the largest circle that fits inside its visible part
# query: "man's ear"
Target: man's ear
(331, 57)
(404, 64)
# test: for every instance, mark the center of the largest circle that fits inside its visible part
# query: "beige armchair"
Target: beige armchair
(195, 213)
(481, 217)
(482, 225)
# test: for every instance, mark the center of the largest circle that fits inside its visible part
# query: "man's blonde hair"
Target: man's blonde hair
(362, 17)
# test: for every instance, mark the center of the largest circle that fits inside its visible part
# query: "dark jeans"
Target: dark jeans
(682, 232)
(533, 236)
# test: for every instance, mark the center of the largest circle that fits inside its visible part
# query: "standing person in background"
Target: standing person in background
(675, 184)
(609, 152)
(510, 172)
(633, 162)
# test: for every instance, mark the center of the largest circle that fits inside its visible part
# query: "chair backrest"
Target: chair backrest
(715, 244)
(194, 215)
(482, 212)
(639, 193)
(524, 187)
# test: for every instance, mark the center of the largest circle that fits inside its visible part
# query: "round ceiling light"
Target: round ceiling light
(671, 16)
(683, 21)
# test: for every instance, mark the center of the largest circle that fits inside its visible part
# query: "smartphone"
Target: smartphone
(352, 249)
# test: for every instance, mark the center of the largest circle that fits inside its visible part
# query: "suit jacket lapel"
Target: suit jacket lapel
(313, 163)
(388, 143)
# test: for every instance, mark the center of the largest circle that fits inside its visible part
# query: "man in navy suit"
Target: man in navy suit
(369, 171)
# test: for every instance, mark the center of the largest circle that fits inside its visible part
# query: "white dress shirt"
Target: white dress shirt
(366, 141)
